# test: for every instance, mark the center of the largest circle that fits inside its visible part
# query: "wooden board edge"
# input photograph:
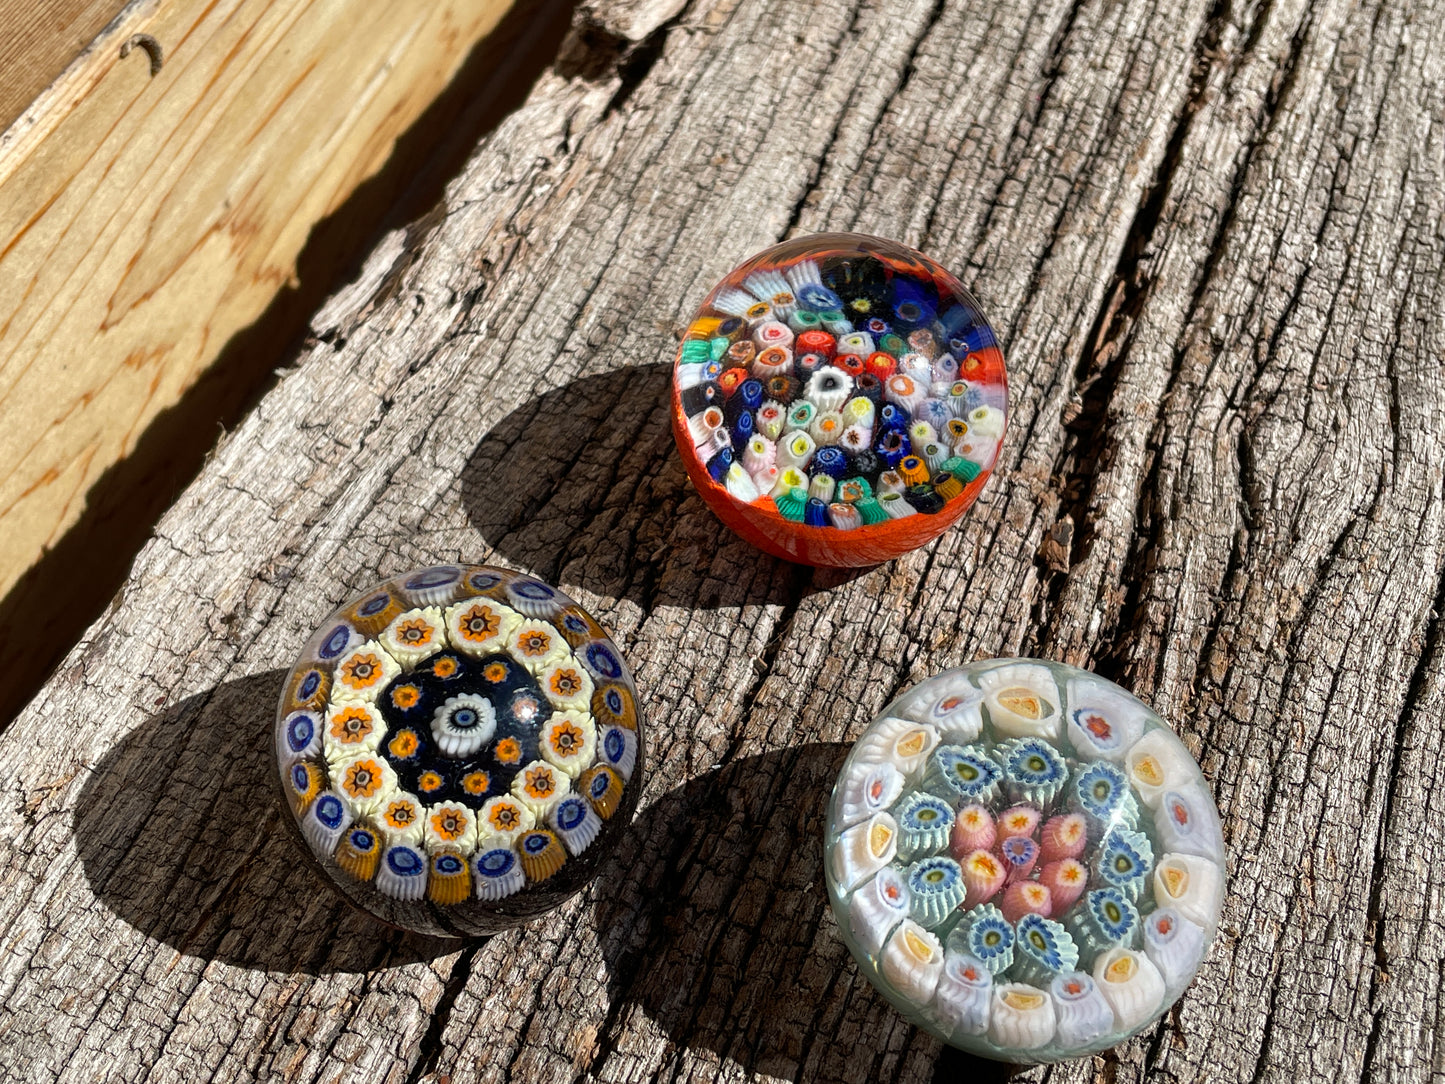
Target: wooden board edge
(71, 86)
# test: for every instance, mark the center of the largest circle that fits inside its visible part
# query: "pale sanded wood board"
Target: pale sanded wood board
(38, 40)
(145, 219)
(1211, 238)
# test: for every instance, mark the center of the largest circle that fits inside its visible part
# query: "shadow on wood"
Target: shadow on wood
(582, 485)
(583, 478)
(954, 1065)
(728, 942)
(721, 932)
(179, 832)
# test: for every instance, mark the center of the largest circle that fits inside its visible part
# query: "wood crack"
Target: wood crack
(429, 1050)
(1018, 144)
(1097, 373)
(1386, 776)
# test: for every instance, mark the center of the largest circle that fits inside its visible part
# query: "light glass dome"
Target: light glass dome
(1024, 860)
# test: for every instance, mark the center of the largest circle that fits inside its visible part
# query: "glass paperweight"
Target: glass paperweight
(839, 400)
(460, 746)
(1024, 860)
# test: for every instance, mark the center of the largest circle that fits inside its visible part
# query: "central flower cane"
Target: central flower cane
(463, 724)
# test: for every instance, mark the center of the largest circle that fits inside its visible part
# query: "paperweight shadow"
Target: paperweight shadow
(724, 937)
(179, 833)
(582, 486)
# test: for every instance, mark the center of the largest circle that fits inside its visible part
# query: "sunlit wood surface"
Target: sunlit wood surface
(1210, 237)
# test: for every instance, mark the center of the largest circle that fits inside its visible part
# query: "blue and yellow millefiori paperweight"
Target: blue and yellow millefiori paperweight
(459, 747)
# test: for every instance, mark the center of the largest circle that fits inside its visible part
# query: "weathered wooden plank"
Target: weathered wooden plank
(1211, 239)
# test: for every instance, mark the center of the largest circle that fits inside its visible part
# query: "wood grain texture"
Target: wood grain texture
(1211, 240)
(145, 219)
(38, 40)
